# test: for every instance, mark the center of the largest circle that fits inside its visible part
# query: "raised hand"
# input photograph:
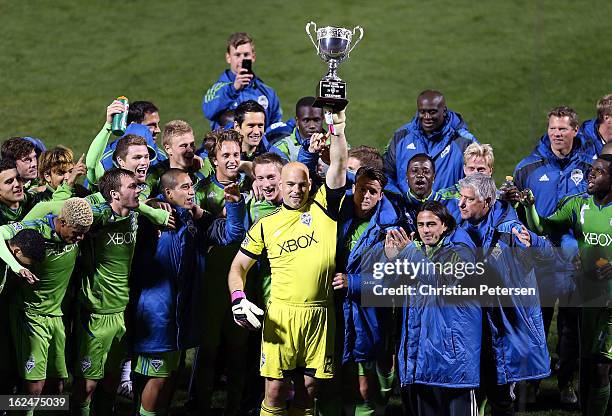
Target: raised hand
(79, 169)
(340, 281)
(113, 108)
(396, 241)
(231, 192)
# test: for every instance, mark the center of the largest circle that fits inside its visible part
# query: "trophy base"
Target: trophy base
(331, 94)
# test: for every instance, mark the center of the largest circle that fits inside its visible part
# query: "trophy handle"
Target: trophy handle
(310, 35)
(355, 29)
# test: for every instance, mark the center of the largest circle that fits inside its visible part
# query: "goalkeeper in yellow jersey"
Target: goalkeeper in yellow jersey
(299, 239)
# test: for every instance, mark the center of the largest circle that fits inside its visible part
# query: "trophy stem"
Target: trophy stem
(332, 72)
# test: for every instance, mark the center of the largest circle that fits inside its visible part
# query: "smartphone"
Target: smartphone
(248, 65)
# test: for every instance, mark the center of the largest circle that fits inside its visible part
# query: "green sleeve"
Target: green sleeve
(95, 170)
(207, 168)
(5, 253)
(43, 208)
(533, 219)
(63, 192)
(563, 217)
(153, 181)
(560, 219)
(156, 215)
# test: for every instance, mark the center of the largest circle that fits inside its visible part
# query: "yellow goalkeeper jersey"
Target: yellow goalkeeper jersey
(301, 247)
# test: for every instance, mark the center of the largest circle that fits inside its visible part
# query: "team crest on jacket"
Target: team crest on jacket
(156, 363)
(263, 101)
(445, 152)
(577, 176)
(30, 364)
(306, 219)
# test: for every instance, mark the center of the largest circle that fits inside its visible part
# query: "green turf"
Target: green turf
(502, 65)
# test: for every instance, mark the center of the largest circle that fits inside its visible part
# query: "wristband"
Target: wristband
(237, 294)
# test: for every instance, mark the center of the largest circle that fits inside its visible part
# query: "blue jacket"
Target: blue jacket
(155, 153)
(589, 130)
(280, 130)
(166, 279)
(291, 144)
(222, 96)
(445, 146)
(364, 327)
(441, 337)
(409, 205)
(514, 328)
(551, 179)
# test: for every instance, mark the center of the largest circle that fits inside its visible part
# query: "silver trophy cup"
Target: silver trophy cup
(333, 45)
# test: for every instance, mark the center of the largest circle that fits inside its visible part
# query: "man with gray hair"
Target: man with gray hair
(513, 342)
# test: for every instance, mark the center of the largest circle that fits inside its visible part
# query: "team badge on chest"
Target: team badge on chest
(577, 176)
(306, 219)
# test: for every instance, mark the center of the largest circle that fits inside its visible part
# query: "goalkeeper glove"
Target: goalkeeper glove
(245, 312)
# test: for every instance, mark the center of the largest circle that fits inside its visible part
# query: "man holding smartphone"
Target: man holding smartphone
(238, 84)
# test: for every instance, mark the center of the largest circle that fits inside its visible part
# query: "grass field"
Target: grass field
(502, 65)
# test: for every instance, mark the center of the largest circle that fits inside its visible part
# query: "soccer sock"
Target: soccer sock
(81, 409)
(598, 400)
(482, 407)
(159, 412)
(385, 381)
(267, 410)
(298, 411)
(365, 408)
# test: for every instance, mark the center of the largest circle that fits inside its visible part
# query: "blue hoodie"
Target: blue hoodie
(364, 327)
(166, 279)
(552, 179)
(409, 205)
(445, 147)
(441, 337)
(590, 130)
(517, 339)
(223, 96)
(155, 153)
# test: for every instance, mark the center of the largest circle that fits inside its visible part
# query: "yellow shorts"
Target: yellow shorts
(297, 338)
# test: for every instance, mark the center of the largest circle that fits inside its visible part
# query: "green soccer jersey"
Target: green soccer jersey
(257, 209)
(358, 227)
(262, 273)
(9, 215)
(592, 226)
(45, 296)
(107, 257)
(209, 195)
